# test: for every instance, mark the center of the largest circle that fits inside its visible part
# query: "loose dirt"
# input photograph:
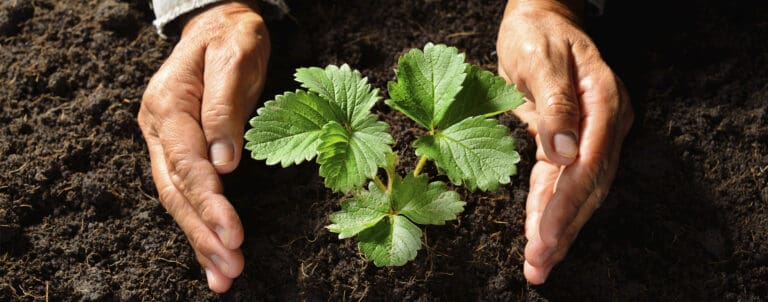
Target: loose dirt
(686, 220)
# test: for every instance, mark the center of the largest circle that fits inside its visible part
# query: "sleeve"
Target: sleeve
(168, 10)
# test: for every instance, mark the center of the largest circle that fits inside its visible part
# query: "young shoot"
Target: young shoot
(330, 121)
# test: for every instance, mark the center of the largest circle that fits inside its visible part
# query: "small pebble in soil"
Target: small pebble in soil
(98, 102)
(58, 84)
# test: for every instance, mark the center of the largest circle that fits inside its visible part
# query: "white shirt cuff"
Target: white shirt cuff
(168, 10)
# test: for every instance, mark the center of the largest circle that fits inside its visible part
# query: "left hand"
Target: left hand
(579, 112)
(192, 117)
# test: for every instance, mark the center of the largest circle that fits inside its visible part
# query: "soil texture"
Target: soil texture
(686, 219)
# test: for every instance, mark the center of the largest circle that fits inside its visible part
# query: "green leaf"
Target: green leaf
(483, 94)
(287, 130)
(348, 157)
(477, 151)
(360, 212)
(341, 86)
(392, 242)
(424, 202)
(381, 219)
(427, 82)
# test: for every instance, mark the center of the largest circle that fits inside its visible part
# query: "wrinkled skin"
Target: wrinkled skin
(579, 112)
(192, 116)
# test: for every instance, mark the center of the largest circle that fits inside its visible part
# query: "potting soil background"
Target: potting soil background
(686, 219)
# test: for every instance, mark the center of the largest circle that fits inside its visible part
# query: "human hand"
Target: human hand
(579, 112)
(192, 116)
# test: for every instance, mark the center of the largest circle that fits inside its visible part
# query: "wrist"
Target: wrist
(572, 10)
(219, 13)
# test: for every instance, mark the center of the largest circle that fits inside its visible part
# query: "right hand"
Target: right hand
(579, 112)
(192, 116)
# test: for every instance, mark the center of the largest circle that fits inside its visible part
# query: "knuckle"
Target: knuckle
(219, 112)
(560, 105)
(587, 49)
(189, 176)
(182, 168)
(142, 119)
(170, 91)
(167, 195)
(237, 55)
(152, 105)
(607, 96)
(599, 196)
(536, 48)
(234, 220)
(206, 211)
(582, 45)
(201, 259)
(198, 239)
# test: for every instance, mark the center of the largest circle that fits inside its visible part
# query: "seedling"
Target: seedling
(331, 120)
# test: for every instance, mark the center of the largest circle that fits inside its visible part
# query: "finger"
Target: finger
(543, 177)
(233, 82)
(205, 242)
(527, 111)
(538, 272)
(185, 151)
(217, 281)
(221, 115)
(508, 73)
(214, 253)
(535, 274)
(234, 78)
(576, 183)
(550, 80)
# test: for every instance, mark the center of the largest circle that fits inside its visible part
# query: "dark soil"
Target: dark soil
(687, 219)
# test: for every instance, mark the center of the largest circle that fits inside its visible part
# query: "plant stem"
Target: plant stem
(420, 165)
(379, 183)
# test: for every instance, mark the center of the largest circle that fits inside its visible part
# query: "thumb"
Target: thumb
(222, 112)
(554, 93)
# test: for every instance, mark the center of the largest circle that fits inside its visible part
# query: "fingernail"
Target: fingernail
(220, 232)
(210, 277)
(565, 145)
(221, 153)
(223, 266)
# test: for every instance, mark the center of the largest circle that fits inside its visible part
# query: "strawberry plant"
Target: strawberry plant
(330, 120)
